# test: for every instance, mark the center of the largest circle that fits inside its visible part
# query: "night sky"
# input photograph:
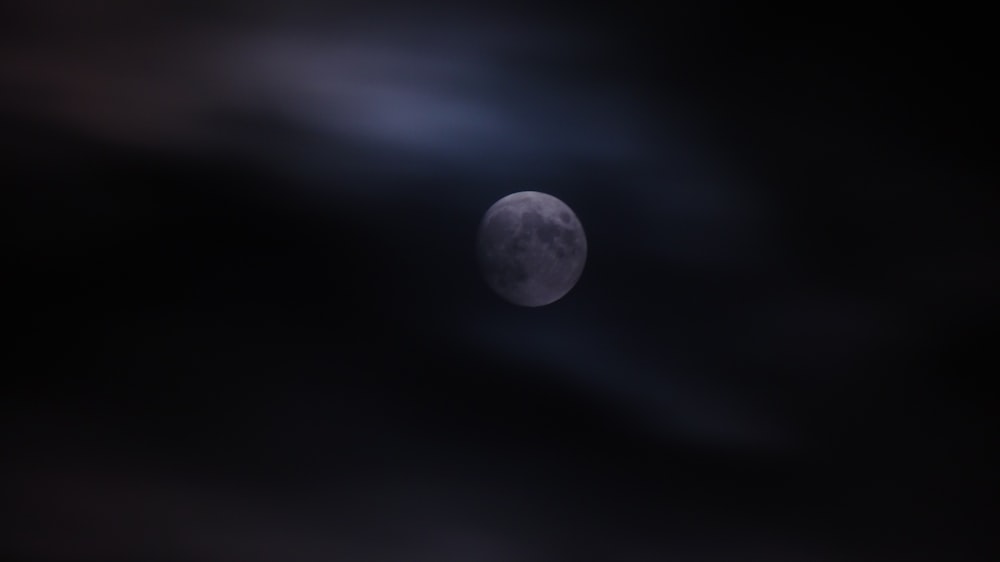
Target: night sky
(247, 321)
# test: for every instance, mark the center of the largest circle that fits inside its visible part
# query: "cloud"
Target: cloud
(416, 92)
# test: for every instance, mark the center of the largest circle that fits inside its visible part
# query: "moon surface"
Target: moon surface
(531, 248)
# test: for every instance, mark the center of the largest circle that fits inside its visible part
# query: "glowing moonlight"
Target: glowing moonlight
(531, 248)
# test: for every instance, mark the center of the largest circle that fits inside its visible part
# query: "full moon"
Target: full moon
(531, 248)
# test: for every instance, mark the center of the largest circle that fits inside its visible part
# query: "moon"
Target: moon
(531, 248)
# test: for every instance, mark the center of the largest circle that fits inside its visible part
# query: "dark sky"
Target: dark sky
(248, 323)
